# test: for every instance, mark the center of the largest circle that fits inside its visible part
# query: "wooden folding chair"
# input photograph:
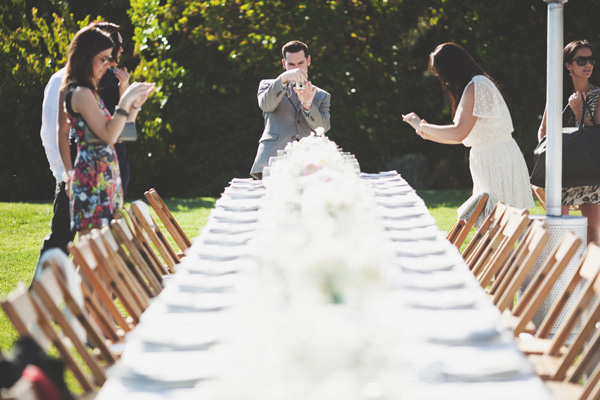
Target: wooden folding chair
(99, 293)
(580, 357)
(459, 232)
(120, 277)
(499, 249)
(54, 295)
(168, 220)
(483, 232)
(499, 218)
(540, 196)
(145, 278)
(145, 226)
(541, 284)
(519, 266)
(30, 319)
(141, 254)
(586, 274)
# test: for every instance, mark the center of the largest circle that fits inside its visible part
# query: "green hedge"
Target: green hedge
(202, 126)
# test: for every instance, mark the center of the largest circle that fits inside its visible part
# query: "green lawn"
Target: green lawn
(24, 225)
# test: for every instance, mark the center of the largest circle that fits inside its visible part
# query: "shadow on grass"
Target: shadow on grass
(444, 198)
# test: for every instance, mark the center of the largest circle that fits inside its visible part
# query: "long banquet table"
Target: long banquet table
(339, 286)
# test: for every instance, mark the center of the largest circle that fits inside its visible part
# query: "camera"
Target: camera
(301, 85)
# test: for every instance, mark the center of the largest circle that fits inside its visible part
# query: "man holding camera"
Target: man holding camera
(292, 106)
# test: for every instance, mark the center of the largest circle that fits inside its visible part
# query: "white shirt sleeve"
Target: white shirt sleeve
(49, 129)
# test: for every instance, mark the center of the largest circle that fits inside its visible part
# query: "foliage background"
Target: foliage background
(207, 57)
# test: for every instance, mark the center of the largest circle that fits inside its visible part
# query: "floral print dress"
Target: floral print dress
(582, 194)
(96, 184)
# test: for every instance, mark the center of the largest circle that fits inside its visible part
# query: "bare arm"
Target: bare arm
(448, 134)
(84, 103)
(542, 129)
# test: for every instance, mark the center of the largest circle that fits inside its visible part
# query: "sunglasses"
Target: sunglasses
(581, 61)
(110, 59)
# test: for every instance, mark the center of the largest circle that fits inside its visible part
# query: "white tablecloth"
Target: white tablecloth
(450, 342)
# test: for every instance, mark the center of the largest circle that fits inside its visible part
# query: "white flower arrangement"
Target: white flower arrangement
(315, 326)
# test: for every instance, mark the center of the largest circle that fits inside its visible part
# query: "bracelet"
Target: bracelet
(120, 111)
(136, 108)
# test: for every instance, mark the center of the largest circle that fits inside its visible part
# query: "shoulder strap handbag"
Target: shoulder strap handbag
(128, 134)
(580, 161)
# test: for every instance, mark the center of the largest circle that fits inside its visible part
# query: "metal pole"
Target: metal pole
(554, 86)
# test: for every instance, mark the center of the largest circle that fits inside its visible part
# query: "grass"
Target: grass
(23, 226)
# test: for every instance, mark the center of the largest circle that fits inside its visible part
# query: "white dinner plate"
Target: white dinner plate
(409, 223)
(473, 364)
(165, 368)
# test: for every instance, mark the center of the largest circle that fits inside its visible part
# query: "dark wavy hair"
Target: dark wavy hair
(86, 43)
(293, 47)
(454, 68)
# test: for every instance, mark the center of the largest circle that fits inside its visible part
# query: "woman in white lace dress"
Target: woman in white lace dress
(483, 123)
(579, 61)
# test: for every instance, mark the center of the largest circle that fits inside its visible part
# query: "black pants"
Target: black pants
(60, 226)
(121, 151)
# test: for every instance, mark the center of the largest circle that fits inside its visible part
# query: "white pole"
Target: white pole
(554, 86)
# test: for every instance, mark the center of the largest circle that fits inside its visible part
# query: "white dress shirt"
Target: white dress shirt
(49, 130)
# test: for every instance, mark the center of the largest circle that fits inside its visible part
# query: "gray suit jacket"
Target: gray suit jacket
(285, 120)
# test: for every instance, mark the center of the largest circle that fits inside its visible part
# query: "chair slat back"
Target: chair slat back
(135, 276)
(542, 283)
(29, 319)
(20, 310)
(540, 195)
(168, 219)
(493, 238)
(461, 229)
(508, 236)
(97, 292)
(116, 278)
(55, 299)
(137, 254)
(519, 268)
(144, 225)
(134, 233)
(582, 348)
(482, 234)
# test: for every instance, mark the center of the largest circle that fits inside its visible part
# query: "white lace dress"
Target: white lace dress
(495, 160)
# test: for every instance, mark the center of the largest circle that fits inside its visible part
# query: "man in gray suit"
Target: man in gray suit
(292, 106)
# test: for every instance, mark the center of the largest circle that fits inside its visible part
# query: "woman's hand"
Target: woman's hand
(413, 120)
(576, 103)
(423, 135)
(123, 77)
(137, 93)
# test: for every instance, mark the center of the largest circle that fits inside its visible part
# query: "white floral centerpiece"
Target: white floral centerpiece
(316, 325)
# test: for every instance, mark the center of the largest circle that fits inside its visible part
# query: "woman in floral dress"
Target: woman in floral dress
(579, 60)
(94, 182)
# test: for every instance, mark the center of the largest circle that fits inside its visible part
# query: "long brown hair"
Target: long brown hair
(86, 44)
(454, 68)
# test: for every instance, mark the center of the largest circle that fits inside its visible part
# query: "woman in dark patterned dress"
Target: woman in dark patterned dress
(579, 61)
(94, 183)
